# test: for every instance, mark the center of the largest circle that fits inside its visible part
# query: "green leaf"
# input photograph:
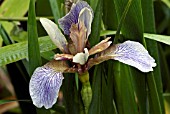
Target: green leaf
(5, 36)
(93, 4)
(48, 55)
(156, 103)
(127, 85)
(167, 2)
(156, 37)
(18, 34)
(107, 32)
(13, 8)
(110, 22)
(18, 51)
(8, 101)
(33, 46)
(133, 20)
(160, 38)
(72, 100)
(121, 21)
(110, 85)
(56, 9)
(96, 102)
(109, 15)
(124, 89)
(94, 37)
(17, 71)
(42, 8)
(164, 70)
(59, 109)
(102, 99)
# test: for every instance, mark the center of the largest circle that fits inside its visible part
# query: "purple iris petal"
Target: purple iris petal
(44, 86)
(134, 54)
(86, 17)
(72, 17)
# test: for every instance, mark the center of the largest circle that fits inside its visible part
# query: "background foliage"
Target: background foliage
(117, 88)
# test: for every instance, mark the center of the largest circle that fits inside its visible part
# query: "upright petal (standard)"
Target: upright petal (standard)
(72, 17)
(86, 17)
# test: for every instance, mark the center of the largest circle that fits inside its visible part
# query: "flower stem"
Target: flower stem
(86, 91)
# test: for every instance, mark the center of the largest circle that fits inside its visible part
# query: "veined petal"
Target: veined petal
(129, 52)
(72, 17)
(86, 17)
(134, 54)
(55, 34)
(81, 58)
(46, 82)
(44, 86)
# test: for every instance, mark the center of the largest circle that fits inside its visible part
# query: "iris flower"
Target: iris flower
(46, 80)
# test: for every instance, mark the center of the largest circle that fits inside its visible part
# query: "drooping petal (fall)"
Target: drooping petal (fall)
(44, 86)
(46, 82)
(129, 52)
(55, 34)
(134, 54)
(72, 17)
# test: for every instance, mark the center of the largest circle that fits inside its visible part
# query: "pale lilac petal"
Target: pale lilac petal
(55, 34)
(72, 17)
(134, 54)
(44, 86)
(86, 17)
